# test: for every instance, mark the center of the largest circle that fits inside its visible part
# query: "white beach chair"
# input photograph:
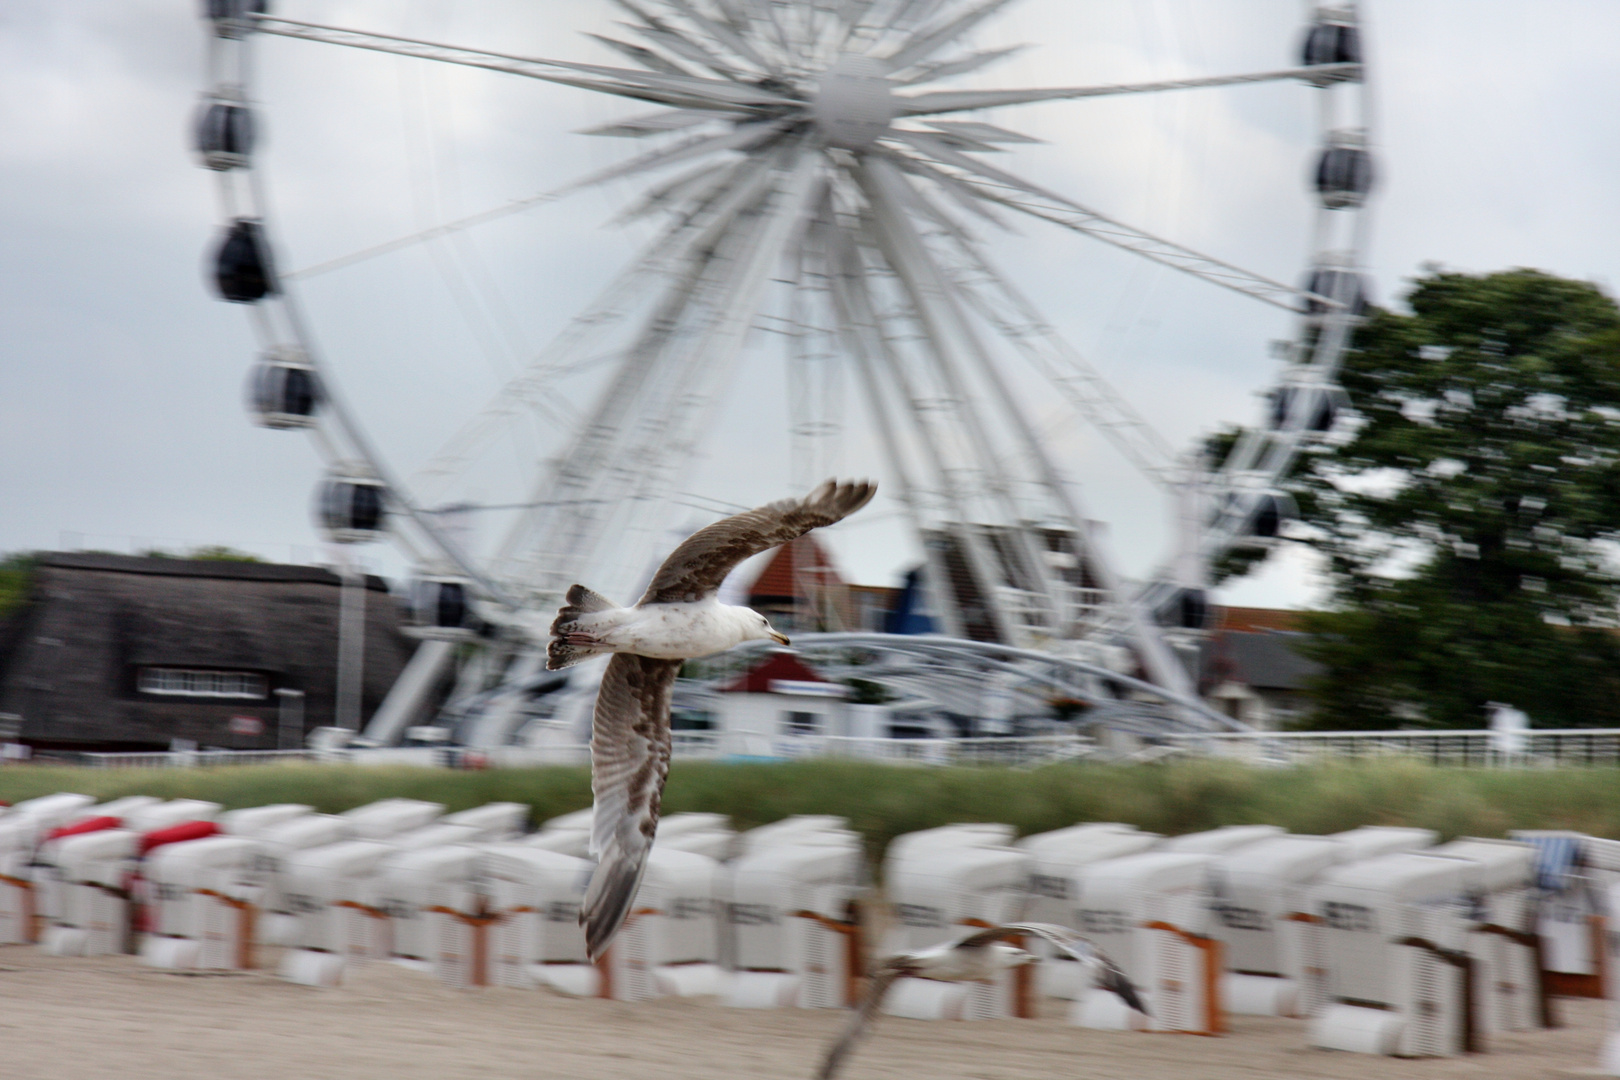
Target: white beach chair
(389, 817)
(534, 895)
(1059, 862)
(1148, 912)
(206, 897)
(790, 936)
(940, 884)
(1393, 939)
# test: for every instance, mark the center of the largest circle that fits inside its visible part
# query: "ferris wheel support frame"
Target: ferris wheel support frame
(955, 342)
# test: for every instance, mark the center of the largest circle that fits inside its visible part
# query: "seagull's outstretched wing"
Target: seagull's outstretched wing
(1068, 940)
(630, 746)
(1109, 975)
(701, 563)
(876, 990)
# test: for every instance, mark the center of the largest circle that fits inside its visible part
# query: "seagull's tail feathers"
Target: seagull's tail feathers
(561, 654)
(611, 892)
(570, 641)
(582, 601)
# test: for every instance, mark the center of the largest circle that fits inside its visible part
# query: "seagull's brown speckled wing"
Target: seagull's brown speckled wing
(630, 748)
(696, 568)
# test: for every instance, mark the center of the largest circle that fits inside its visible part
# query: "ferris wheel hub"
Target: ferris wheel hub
(854, 102)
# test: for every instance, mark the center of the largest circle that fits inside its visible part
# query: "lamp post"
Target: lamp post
(351, 644)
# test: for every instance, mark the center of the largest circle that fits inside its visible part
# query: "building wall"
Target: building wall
(762, 714)
(74, 653)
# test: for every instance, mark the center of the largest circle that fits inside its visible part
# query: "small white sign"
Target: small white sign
(805, 688)
(246, 725)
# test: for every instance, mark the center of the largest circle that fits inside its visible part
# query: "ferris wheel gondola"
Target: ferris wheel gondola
(815, 149)
(284, 391)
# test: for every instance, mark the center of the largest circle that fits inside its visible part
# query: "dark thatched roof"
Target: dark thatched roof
(1267, 660)
(71, 656)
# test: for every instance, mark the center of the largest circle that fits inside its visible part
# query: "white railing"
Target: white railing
(688, 746)
(185, 759)
(1543, 747)
(1019, 751)
(714, 746)
(1487, 749)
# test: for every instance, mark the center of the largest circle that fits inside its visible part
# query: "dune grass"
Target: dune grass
(884, 801)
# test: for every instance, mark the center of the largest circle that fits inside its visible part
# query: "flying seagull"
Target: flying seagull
(983, 954)
(679, 618)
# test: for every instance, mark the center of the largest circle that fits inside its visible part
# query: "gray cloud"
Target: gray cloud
(120, 380)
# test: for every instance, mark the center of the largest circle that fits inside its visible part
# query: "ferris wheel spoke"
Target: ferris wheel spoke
(948, 101)
(661, 33)
(751, 189)
(964, 194)
(878, 177)
(946, 69)
(861, 334)
(953, 515)
(612, 454)
(681, 90)
(898, 16)
(725, 34)
(960, 356)
(926, 208)
(568, 351)
(688, 194)
(743, 138)
(927, 42)
(725, 37)
(1037, 202)
(980, 132)
(738, 139)
(343, 420)
(516, 206)
(658, 123)
(1091, 396)
(642, 55)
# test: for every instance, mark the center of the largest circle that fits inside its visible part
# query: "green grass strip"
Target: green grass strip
(884, 801)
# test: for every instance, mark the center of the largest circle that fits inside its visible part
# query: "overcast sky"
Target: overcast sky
(121, 377)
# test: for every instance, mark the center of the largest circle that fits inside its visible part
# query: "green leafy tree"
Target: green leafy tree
(221, 553)
(1468, 524)
(16, 578)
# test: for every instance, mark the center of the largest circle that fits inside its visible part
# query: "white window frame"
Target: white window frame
(790, 725)
(203, 683)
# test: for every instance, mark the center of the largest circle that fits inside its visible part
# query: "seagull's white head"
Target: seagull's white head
(760, 629)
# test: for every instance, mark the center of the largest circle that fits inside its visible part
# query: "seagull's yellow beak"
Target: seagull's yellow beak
(780, 639)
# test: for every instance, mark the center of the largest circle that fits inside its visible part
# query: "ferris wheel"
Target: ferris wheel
(816, 171)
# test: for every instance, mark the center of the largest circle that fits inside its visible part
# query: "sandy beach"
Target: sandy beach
(93, 1019)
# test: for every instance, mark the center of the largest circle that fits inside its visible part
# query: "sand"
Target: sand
(95, 1019)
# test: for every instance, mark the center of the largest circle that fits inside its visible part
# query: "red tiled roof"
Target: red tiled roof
(777, 666)
(779, 580)
(1257, 619)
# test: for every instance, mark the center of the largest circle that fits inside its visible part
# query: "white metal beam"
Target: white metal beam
(688, 91)
(948, 101)
(955, 351)
(1005, 189)
(878, 176)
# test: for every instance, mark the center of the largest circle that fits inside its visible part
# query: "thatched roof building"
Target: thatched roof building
(114, 652)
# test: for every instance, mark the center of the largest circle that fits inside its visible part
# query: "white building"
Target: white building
(778, 704)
